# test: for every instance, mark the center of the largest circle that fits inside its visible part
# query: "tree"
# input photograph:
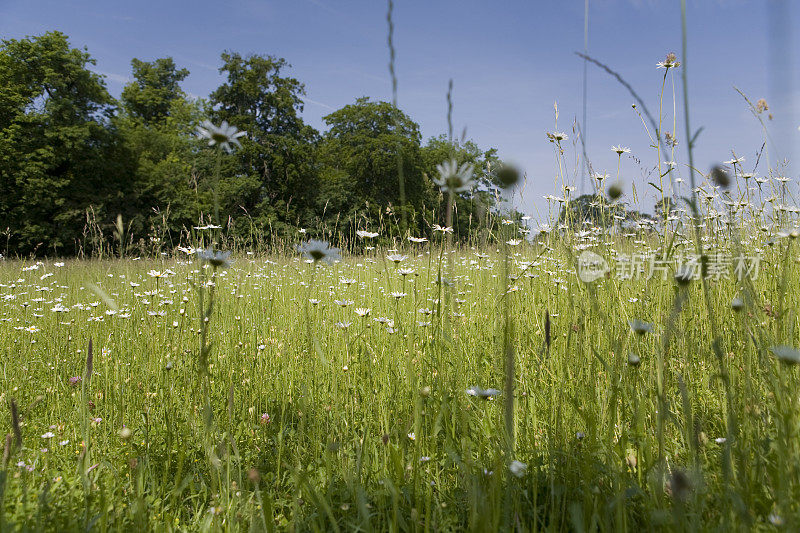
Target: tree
(274, 177)
(156, 126)
(57, 154)
(155, 88)
(592, 209)
(360, 150)
(472, 210)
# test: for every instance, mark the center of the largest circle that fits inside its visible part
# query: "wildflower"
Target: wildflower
(791, 233)
(671, 61)
(787, 354)
(639, 327)
(405, 271)
(437, 227)
(396, 258)
(479, 392)
(48, 435)
(362, 312)
(454, 178)
(417, 239)
(216, 259)
(557, 136)
(412, 436)
(265, 419)
(74, 381)
(366, 234)
(159, 274)
(319, 251)
(619, 149)
(224, 135)
(735, 161)
(518, 468)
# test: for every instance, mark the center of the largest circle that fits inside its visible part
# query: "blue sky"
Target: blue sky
(510, 62)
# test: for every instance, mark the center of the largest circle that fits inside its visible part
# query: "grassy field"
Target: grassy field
(343, 396)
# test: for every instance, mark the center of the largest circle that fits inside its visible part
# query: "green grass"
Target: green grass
(604, 451)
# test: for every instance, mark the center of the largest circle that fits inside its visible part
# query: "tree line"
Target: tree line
(72, 156)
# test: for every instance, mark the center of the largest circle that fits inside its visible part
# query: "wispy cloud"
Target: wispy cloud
(118, 78)
(320, 104)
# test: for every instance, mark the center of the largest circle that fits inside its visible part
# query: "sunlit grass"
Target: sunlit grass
(371, 425)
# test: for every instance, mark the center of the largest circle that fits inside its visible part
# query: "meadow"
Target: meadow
(618, 372)
(283, 392)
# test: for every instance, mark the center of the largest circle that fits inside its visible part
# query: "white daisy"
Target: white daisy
(224, 135)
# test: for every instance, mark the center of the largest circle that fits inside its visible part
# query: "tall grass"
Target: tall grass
(155, 391)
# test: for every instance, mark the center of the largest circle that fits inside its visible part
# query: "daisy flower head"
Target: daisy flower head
(557, 136)
(396, 258)
(518, 468)
(786, 354)
(216, 259)
(366, 234)
(619, 149)
(671, 61)
(319, 251)
(223, 135)
(480, 392)
(454, 178)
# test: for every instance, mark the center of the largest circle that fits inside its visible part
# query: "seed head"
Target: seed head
(720, 177)
(508, 176)
(614, 192)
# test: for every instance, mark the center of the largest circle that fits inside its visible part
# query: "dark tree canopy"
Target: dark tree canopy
(57, 152)
(363, 141)
(155, 86)
(72, 158)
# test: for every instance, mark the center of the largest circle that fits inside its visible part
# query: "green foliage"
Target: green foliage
(591, 209)
(155, 87)
(360, 150)
(273, 176)
(58, 153)
(73, 159)
(476, 210)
